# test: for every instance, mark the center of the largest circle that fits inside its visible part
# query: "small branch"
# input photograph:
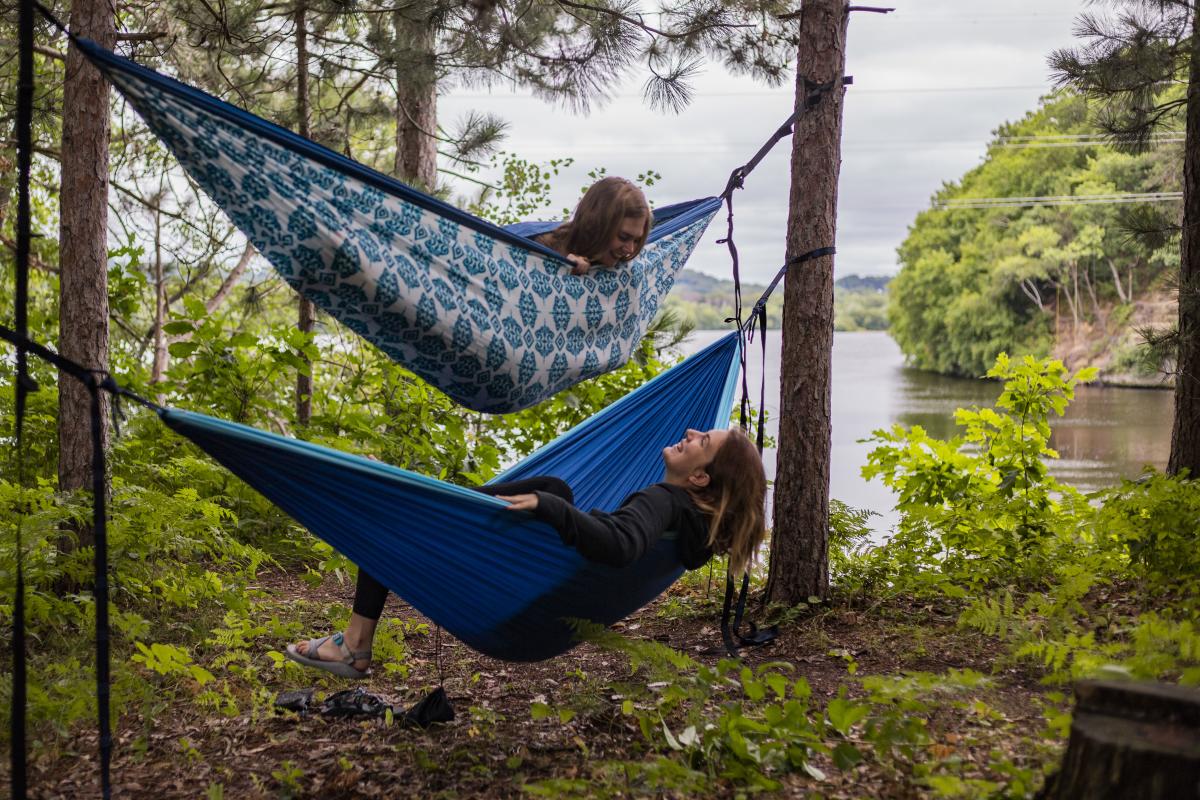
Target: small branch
(227, 285)
(468, 178)
(45, 151)
(34, 261)
(648, 28)
(49, 52)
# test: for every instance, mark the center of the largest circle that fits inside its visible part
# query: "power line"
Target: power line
(786, 92)
(1059, 200)
(866, 145)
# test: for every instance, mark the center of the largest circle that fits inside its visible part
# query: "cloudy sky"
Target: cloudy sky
(932, 80)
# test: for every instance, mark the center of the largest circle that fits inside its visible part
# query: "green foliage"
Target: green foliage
(1031, 561)
(978, 281)
(859, 310)
(732, 728)
(982, 507)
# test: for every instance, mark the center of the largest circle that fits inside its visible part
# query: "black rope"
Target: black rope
(96, 381)
(730, 634)
(17, 765)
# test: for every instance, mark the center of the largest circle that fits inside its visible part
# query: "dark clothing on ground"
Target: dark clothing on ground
(617, 539)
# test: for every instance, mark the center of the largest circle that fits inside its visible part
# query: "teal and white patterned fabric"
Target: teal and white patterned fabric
(494, 320)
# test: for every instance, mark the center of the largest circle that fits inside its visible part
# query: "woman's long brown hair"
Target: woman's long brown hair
(598, 217)
(735, 500)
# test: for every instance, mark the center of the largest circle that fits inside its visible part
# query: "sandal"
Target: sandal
(343, 667)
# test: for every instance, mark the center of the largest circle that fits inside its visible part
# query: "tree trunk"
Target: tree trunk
(1075, 301)
(159, 365)
(1131, 741)
(1031, 291)
(1116, 273)
(1185, 431)
(1087, 280)
(800, 540)
(83, 238)
(416, 102)
(305, 311)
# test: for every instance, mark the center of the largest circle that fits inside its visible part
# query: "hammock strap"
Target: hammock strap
(813, 94)
(95, 381)
(758, 319)
(24, 384)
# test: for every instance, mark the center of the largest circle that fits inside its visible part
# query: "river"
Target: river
(1107, 433)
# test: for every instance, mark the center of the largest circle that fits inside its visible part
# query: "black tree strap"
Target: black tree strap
(95, 381)
(17, 767)
(813, 94)
(758, 319)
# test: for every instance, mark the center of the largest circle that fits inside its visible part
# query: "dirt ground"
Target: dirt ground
(494, 747)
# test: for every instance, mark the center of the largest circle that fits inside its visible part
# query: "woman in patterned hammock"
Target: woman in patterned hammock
(609, 226)
(712, 498)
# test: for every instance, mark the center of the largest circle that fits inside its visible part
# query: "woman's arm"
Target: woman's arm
(616, 539)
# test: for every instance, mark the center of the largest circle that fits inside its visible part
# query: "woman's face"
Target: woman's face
(624, 244)
(693, 453)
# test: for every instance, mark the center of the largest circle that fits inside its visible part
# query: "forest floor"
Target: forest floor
(495, 747)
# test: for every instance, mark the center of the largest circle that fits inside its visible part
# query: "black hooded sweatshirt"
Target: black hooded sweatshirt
(622, 537)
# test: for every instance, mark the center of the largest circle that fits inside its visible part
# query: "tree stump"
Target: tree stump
(1131, 741)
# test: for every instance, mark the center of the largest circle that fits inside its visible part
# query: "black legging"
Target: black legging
(370, 594)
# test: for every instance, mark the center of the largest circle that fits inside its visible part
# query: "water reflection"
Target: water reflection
(1106, 434)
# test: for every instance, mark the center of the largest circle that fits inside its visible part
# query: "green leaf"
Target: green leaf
(177, 327)
(182, 349)
(672, 742)
(843, 714)
(846, 755)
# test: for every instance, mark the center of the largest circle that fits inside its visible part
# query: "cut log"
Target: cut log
(1131, 741)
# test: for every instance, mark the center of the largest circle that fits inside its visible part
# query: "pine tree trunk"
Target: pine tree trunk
(800, 541)
(305, 310)
(1185, 431)
(416, 103)
(83, 237)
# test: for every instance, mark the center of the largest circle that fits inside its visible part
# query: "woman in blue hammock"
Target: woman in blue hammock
(712, 497)
(609, 226)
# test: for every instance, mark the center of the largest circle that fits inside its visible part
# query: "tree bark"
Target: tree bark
(416, 102)
(800, 540)
(305, 311)
(1131, 741)
(1031, 291)
(83, 237)
(1112, 267)
(159, 365)
(1185, 430)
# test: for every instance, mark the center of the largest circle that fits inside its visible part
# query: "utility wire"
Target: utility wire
(1059, 200)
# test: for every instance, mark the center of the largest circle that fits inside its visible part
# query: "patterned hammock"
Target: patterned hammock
(493, 319)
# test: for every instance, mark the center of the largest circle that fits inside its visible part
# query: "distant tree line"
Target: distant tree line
(705, 302)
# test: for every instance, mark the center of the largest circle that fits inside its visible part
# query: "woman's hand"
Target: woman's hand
(579, 264)
(520, 502)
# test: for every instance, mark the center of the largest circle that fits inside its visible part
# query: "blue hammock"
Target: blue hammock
(493, 319)
(500, 581)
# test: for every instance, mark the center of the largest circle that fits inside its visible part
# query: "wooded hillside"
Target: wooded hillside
(705, 302)
(1057, 275)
